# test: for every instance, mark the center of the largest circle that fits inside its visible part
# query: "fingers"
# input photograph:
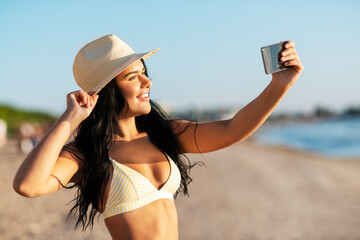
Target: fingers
(292, 62)
(91, 100)
(289, 56)
(289, 49)
(84, 99)
(289, 44)
(95, 98)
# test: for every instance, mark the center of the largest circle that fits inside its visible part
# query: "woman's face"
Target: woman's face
(135, 86)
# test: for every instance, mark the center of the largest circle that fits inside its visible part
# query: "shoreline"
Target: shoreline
(283, 147)
(336, 138)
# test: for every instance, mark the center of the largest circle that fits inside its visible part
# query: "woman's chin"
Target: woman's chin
(143, 112)
(147, 112)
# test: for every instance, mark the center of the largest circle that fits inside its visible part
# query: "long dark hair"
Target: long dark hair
(94, 137)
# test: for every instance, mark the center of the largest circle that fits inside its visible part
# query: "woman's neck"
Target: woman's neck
(127, 130)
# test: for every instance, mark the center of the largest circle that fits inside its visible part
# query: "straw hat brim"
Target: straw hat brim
(112, 68)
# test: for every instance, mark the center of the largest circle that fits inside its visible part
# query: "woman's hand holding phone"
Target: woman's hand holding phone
(293, 65)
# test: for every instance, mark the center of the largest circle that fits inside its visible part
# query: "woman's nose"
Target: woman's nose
(146, 83)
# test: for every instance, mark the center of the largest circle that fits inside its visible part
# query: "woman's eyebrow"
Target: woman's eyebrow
(132, 73)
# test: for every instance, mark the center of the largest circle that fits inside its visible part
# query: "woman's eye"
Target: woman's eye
(133, 77)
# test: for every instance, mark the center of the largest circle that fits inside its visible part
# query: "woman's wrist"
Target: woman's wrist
(278, 85)
(72, 118)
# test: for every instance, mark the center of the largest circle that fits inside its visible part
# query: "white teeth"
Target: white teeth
(145, 95)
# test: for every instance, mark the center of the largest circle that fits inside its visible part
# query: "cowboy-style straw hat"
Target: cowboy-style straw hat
(99, 61)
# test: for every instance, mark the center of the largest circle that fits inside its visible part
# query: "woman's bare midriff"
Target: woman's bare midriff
(157, 220)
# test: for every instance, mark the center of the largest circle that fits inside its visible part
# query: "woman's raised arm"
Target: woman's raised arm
(207, 137)
(44, 166)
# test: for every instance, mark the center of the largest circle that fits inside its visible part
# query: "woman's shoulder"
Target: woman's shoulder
(71, 152)
(179, 126)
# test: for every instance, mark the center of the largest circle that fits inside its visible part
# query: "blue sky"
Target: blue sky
(210, 52)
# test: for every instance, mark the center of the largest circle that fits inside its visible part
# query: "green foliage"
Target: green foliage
(14, 117)
(321, 111)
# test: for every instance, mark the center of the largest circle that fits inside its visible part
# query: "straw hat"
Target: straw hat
(99, 61)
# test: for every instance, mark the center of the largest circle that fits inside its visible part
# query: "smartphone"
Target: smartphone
(271, 57)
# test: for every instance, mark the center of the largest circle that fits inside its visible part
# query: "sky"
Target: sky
(210, 54)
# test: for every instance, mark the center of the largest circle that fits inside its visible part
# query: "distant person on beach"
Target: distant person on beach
(3, 133)
(26, 133)
(127, 156)
(30, 134)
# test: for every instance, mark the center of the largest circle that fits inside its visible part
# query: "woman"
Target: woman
(125, 155)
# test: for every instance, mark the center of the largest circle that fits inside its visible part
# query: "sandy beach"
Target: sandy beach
(246, 191)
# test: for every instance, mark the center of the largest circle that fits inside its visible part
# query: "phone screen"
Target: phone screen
(271, 57)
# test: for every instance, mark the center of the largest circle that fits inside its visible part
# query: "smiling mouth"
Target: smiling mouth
(143, 97)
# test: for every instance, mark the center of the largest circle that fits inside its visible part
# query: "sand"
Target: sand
(246, 191)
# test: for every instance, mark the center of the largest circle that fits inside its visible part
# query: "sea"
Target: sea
(338, 138)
